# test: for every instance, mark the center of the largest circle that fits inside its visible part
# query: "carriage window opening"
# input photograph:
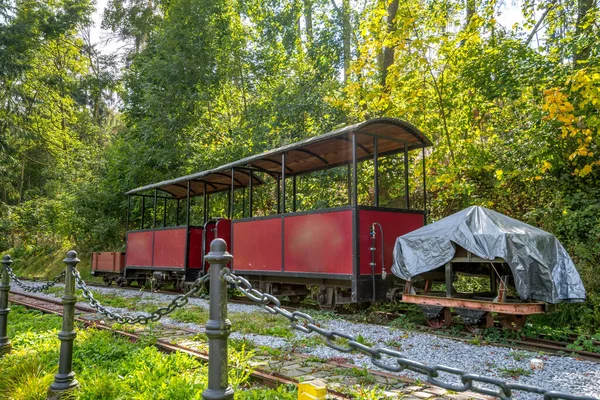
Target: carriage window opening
(392, 183)
(366, 185)
(218, 205)
(416, 180)
(135, 213)
(321, 189)
(240, 203)
(195, 211)
(264, 196)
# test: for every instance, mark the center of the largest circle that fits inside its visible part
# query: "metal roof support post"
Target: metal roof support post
(294, 190)
(375, 172)
(143, 210)
(250, 194)
(243, 201)
(424, 191)
(128, 212)
(283, 183)
(354, 171)
(406, 187)
(188, 205)
(231, 194)
(349, 185)
(205, 205)
(155, 206)
(278, 194)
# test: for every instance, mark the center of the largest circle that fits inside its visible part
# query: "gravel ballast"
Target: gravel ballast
(565, 374)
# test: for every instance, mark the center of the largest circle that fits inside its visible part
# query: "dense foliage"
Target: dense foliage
(513, 111)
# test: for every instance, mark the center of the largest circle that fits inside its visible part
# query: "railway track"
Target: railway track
(531, 344)
(82, 315)
(86, 315)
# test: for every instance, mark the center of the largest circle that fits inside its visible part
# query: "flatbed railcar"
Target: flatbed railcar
(340, 250)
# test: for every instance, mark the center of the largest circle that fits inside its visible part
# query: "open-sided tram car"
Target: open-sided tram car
(341, 249)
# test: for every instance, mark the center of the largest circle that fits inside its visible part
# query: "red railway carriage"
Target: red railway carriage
(341, 247)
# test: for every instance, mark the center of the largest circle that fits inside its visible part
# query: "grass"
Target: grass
(362, 375)
(518, 355)
(111, 367)
(514, 372)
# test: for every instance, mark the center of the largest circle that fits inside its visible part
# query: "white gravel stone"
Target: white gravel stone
(565, 374)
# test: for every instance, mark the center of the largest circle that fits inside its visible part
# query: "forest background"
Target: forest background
(513, 111)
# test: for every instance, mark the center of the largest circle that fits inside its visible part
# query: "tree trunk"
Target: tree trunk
(344, 15)
(308, 20)
(346, 37)
(387, 58)
(582, 53)
(470, 11)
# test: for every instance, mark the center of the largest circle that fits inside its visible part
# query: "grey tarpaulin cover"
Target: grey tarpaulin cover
(541, 267)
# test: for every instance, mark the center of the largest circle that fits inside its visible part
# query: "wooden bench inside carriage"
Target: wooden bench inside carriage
(475, 309)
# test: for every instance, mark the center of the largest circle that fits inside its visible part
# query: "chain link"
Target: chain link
(33, 289)
(177, 302)
(390, 360)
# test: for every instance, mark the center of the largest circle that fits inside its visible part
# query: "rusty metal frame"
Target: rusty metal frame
(503, 308)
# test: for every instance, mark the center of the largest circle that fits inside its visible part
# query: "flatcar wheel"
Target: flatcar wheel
(513, 322)
(443, 319)
(486, 321)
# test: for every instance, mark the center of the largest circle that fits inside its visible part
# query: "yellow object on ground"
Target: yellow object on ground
(312, 390)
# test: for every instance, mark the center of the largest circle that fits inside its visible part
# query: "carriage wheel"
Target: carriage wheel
(106, 280)
(486, 321)
(122, 282)
(326, 299)
(443, 319)
(513, 322)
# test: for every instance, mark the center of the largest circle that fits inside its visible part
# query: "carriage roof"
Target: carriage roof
(316, 153)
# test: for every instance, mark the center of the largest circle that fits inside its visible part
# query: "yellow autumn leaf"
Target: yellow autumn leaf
(585, 170)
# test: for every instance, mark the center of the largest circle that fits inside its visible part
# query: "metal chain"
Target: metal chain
(389, 360)
(154, 316)
(34, 289)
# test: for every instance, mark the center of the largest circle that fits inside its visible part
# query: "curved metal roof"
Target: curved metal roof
(313, 154)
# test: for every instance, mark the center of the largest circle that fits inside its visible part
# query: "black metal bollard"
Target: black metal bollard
(218, 326)
(65, 379)
(5, 345)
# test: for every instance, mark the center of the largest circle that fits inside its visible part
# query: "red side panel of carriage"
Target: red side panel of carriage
(318, 243)
(394, 224)
(164, 248)
(256, 244)
(334, 242)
